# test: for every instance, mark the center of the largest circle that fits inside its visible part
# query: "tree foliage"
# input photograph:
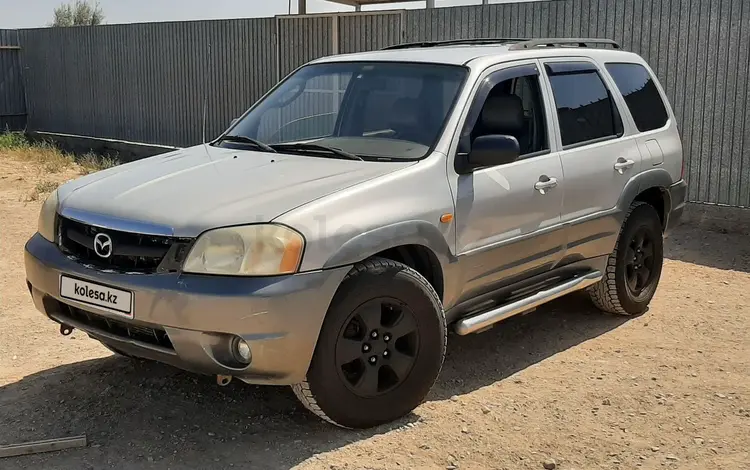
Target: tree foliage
(78, 13)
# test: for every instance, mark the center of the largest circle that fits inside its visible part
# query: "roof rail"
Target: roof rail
(455, 42)
(562, 42)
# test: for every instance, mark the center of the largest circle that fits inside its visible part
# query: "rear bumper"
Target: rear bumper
(678, 198)
(279, 317)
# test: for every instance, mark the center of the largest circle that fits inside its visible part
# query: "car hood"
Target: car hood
(185, 192)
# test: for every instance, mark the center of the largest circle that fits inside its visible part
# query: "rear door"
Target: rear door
(658, 139)
(599, 153)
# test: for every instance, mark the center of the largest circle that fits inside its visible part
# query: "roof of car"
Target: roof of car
(450, 53)
(454, 55)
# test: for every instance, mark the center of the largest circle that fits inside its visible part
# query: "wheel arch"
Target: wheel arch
(417, 244)
(421, 259)
(658, 197)
(651, 187)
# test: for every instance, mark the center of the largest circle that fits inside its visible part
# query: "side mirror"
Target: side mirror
(493, 150)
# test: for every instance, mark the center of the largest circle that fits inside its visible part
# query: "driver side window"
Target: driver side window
(514, 107)
(311, 114)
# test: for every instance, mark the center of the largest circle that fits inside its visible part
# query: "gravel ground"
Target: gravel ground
(668, 389)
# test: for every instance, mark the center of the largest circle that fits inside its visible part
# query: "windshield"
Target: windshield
(372, 110)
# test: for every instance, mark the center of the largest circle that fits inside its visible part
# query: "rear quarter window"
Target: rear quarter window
(641, 95)
(585, 109)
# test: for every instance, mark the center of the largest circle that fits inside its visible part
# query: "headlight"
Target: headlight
(46, 225)
(250, 250)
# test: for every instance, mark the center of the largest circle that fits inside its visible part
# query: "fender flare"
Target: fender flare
(411, 232)
(653, 178)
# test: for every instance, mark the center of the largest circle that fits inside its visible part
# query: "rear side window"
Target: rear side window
(639, 90)
(585, 107)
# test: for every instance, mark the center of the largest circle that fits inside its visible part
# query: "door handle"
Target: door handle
(545, 183)
(622, 164)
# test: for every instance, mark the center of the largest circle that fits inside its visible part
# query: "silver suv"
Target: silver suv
(365, 206)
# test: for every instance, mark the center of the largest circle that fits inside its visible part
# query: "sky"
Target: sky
(38, 13)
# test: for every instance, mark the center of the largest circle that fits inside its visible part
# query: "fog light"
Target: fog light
(242, 350)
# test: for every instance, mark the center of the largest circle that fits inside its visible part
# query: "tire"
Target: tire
(383, 310)
(617, 293)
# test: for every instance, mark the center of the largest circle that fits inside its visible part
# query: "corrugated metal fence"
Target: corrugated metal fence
(12, 104)
(151, 82)
(698, 48)
(148, 82)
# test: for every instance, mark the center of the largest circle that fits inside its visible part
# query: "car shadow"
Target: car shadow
(475, 361)
(711, 246)
(139, 414)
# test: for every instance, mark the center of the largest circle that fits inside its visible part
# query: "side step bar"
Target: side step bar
(483, 320)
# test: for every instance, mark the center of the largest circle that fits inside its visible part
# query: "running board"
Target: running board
(484, 320)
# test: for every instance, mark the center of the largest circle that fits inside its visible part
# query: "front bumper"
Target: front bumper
(678, 198)
(279, 317)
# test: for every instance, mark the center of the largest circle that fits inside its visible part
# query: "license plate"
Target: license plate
(108, 298)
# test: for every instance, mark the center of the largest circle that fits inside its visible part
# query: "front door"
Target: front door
(508, 216)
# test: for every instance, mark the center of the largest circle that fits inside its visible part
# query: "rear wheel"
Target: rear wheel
(380, 349)
(634, 268)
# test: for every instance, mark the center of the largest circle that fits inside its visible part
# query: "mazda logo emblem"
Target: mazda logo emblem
(103, 245)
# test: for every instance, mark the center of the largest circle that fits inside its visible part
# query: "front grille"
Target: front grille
(131, 252)
(121, 329)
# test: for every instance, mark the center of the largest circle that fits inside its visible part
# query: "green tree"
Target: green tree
(78, 13)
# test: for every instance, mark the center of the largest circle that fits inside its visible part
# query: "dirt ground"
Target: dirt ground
(668, 389)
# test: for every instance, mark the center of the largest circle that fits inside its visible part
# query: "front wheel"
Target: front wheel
(634, 268)
(380, 349)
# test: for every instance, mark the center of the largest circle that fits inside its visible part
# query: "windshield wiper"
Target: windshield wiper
(246, 140)
(316, 148)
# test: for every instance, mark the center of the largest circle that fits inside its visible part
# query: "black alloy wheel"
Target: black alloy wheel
(639, 268)
(380, 349)
(633, 269)
(377, 346)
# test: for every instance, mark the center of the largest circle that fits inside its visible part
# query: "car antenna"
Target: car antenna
(205, 97)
